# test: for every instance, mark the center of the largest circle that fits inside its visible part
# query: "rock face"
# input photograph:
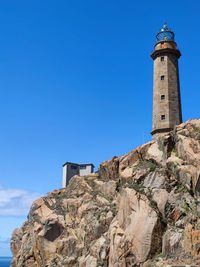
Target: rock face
(139, 210)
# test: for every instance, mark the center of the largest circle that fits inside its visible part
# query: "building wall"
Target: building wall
(175, 114)
(85, 170)
(160, 107)
(170, 107)
(70, 170)
(64, 177)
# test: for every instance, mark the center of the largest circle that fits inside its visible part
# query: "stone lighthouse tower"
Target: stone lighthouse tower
(166, 96)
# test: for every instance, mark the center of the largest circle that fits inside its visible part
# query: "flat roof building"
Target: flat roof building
(71, 169)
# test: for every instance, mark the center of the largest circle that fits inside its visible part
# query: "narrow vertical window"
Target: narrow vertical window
(162, 117)
(162, 77)
(162, 58)
(162, 97)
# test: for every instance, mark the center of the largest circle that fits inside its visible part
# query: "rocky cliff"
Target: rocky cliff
(138, 210)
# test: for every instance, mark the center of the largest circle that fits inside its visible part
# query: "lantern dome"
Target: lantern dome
(165, 34)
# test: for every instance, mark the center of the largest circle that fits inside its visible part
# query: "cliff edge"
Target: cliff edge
(139, 210)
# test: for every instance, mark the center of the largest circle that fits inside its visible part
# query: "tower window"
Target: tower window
(162, 77)
(162, 97)
(162, 117)
(162, 58)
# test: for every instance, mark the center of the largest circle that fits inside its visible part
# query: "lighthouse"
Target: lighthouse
(167, 111)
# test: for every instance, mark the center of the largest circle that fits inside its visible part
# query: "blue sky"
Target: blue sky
(76, 85)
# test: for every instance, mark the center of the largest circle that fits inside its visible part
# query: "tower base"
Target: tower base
(159, 132)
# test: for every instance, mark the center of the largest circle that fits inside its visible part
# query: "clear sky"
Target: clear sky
(76, 85)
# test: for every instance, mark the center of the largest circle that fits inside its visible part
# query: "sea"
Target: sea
(5, 261)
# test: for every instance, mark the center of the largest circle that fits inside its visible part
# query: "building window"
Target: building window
(162, 58)
(162, 117)
(162, 97)
(73, 167)
(162, 77)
